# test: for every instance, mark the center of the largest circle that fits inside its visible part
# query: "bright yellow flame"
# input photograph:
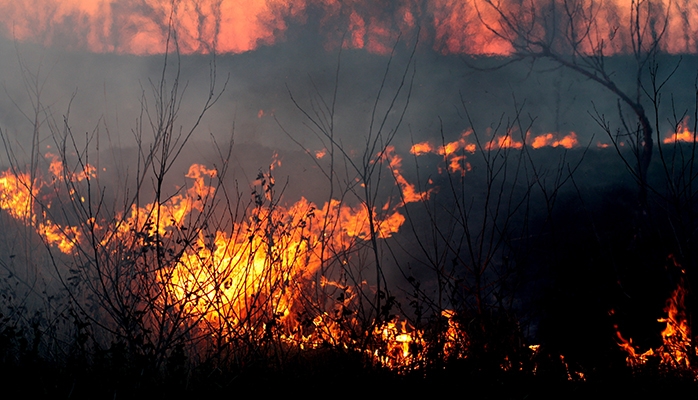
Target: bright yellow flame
(17, 194)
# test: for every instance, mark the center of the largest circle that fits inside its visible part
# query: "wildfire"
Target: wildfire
(454, 153)
(681, 134)
(17, 197)
(402, 344)
(227, 278)
(459, 27)
(503, 142)
(255, 276)
(59, 172)
(17, 194)
(550, 139)
(409, 193)
(676, 336)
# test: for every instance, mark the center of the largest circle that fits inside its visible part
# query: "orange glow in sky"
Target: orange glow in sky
(234, 26)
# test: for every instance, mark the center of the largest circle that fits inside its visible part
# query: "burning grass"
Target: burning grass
(179, 283)
(179, 287)
(215, 276)
(181, 272)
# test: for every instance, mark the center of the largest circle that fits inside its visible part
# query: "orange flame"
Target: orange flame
(681, 134)
(503, 142)
(17, 194)
(222, 276)
(454, 152)
(550, 139)
(451, 151)
(676, 336)
(409, 193)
